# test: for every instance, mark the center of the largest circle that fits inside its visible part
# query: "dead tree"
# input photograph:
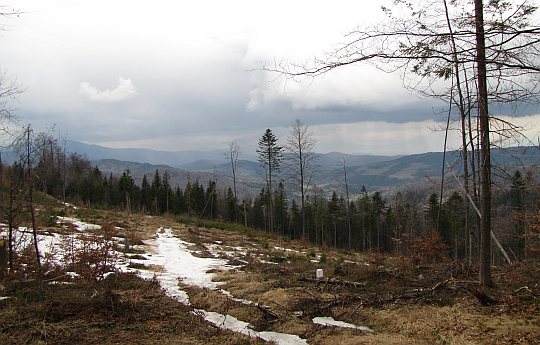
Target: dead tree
(343, 164)
(232, 154)
(301, 161)
(30, 195)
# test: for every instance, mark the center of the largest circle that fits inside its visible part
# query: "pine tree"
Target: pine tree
(155, 189)
(295, 220)
(198, 199)
(270, 157)
(364, 216)
(517, 202)
(164, 193)
(146, 194)
(432, 212)
(230, 202)
(178, 201)
(125, 187)
(334, 214)
(452, 224)
(210, 196)
(378, 205)
(280, 209)
(258, 211)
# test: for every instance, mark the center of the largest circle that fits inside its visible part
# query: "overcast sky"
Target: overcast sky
(179, 75)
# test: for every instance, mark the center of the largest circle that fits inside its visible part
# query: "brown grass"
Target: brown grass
(121, 309)
(134, 311)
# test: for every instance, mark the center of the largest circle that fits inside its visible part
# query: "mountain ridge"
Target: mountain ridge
(389, 174)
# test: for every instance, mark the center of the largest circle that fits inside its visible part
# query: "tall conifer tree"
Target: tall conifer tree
(270, 157)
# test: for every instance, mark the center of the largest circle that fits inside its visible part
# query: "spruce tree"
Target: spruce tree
(156, 187)
(146, 194)
(270, 157)
(230, 202)
(517, 202)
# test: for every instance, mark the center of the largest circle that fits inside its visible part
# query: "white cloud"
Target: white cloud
(384, 138)
(195, 70)
(125, 90)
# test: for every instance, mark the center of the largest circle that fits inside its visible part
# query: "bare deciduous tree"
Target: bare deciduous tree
(232, 154)
(343, 164)
(11, 203)
(9, 90)
(301, 161)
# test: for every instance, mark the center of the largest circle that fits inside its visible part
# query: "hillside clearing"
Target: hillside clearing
(269, 284)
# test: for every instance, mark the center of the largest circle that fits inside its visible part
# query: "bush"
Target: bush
(91, 254)
(428, 248)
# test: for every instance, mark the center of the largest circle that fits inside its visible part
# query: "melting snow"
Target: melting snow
(329, 321)
(80, 226)
(176, 259)
(178, 263)
(70, 205)
(233, 324)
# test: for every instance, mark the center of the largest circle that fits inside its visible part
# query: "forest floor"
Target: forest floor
(270, 283)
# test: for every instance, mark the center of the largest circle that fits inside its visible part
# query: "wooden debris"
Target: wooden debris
(482, 297)
(526, 289)
(267, 311)
(333, 281)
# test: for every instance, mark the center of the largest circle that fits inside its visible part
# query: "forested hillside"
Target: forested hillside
(367, 219)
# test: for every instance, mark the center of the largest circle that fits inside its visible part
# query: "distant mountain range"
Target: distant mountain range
(375, 172)
(172, 158)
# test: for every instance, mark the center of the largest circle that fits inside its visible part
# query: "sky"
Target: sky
(187, 75)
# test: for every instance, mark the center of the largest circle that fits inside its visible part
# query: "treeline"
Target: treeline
(409, 224)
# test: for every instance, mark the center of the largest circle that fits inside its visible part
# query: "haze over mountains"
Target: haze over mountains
(373, 171)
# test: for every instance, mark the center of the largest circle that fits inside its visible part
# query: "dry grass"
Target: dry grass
(121, 309)
(449, 315)
(134, 311)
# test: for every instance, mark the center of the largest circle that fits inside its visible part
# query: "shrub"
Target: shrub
(428, 248)
(91, 254)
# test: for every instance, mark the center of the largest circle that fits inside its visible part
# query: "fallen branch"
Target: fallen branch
(333, 281)
(267, 311)
(439, 285)
(526, 289)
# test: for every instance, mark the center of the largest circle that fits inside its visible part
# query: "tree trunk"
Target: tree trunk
(348, 204)
(30, 187)
(485, 183)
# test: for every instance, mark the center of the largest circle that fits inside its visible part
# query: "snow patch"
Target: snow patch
(79, 225)
(329, 321)
(233, 324)
(67, 204)
(178, 263)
